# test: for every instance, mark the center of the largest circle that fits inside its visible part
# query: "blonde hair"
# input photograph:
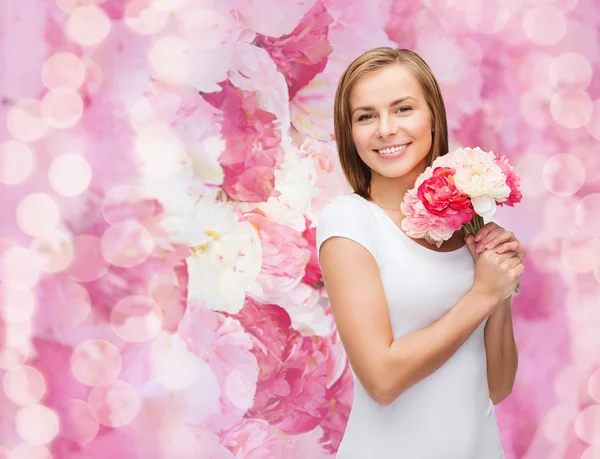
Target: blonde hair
(356, 171)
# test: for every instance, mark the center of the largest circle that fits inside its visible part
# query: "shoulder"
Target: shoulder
(345, 206)
(346, 216)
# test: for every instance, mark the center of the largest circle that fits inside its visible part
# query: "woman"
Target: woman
(428, 331)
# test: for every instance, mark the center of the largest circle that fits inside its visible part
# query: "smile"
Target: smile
(393, 149)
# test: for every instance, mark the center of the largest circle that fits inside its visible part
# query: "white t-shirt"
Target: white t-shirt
(449, 414)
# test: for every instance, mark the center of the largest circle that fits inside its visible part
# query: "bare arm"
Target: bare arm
(384, 366)
(501, 352)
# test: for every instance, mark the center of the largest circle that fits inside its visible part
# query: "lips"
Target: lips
(397, 148)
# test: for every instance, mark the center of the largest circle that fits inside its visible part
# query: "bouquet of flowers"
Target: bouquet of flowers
(460, 189)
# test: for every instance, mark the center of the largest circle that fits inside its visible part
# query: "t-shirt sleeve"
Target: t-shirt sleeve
(345, 219)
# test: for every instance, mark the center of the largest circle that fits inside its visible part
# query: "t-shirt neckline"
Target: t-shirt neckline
(411, 241)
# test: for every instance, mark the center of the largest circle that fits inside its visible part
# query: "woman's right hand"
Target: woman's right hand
(497, 274)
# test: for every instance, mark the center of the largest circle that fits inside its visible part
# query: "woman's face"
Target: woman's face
(391, 123)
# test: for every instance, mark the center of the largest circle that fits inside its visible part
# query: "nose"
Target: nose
(386, 128)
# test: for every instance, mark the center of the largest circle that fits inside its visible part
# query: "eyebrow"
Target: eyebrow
(396, 102)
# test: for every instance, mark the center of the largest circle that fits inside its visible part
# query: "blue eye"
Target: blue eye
(363, 117)
(404, 109)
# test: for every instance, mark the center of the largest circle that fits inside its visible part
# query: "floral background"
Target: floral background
(162, 167)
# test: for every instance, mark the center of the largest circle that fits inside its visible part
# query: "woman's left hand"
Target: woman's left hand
(494, 237)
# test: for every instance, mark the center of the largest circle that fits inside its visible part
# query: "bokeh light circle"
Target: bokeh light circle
(582, 307)
(136, 318)
(88, 25)
(13, 357)
(570, 70)
(563, 174)
(556, 423)
(62, 107)
(592, 452)
(67, 6)
(545, 25)
(587, 214)
(587, 424)
(17, 334)
(76, 309)
(487, 18)
(571, 107)
(580, 252)
(80, 422)
(545, 251)
(25, 121)
(37, 424)
(16, 162)
(96, 362)
(559, 214)
(169, 5)
(27, 451)
(19, 267)
(55, 251)
(126, 244)
(17, 305)
(63, 70)
(70, 174)
(125, 202)
(88, 264)
(593, 124)
(117, 403)
(24, 385)
(534, 107)
(594, 385)
(587, 152)
(144, 19)
(532, 183)
(565, 5)
(37, 214)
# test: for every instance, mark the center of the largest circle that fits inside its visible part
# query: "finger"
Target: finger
(511, 246)
(513, 262)
(518, 270)
(485, 229)
(522, 252)
(470, 240)
(514, 246)
(495, 238)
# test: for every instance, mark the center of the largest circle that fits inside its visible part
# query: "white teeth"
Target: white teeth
(389, 151)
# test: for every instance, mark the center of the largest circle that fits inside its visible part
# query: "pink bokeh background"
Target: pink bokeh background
(162, 168)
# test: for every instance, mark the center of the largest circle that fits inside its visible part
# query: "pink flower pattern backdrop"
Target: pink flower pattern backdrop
(162, 168)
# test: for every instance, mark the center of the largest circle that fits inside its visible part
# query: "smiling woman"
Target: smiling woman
(381, 93)
(412, 318)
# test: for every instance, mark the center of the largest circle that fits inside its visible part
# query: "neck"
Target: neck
(388, 193)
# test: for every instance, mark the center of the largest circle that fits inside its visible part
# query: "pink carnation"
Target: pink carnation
(225, 346)
(254, 439)
(512, 180)
(302, 54)
(253, 145)
(420, 223)
(285, 255)
(440, 197)
(313, 274)
(291, 390)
